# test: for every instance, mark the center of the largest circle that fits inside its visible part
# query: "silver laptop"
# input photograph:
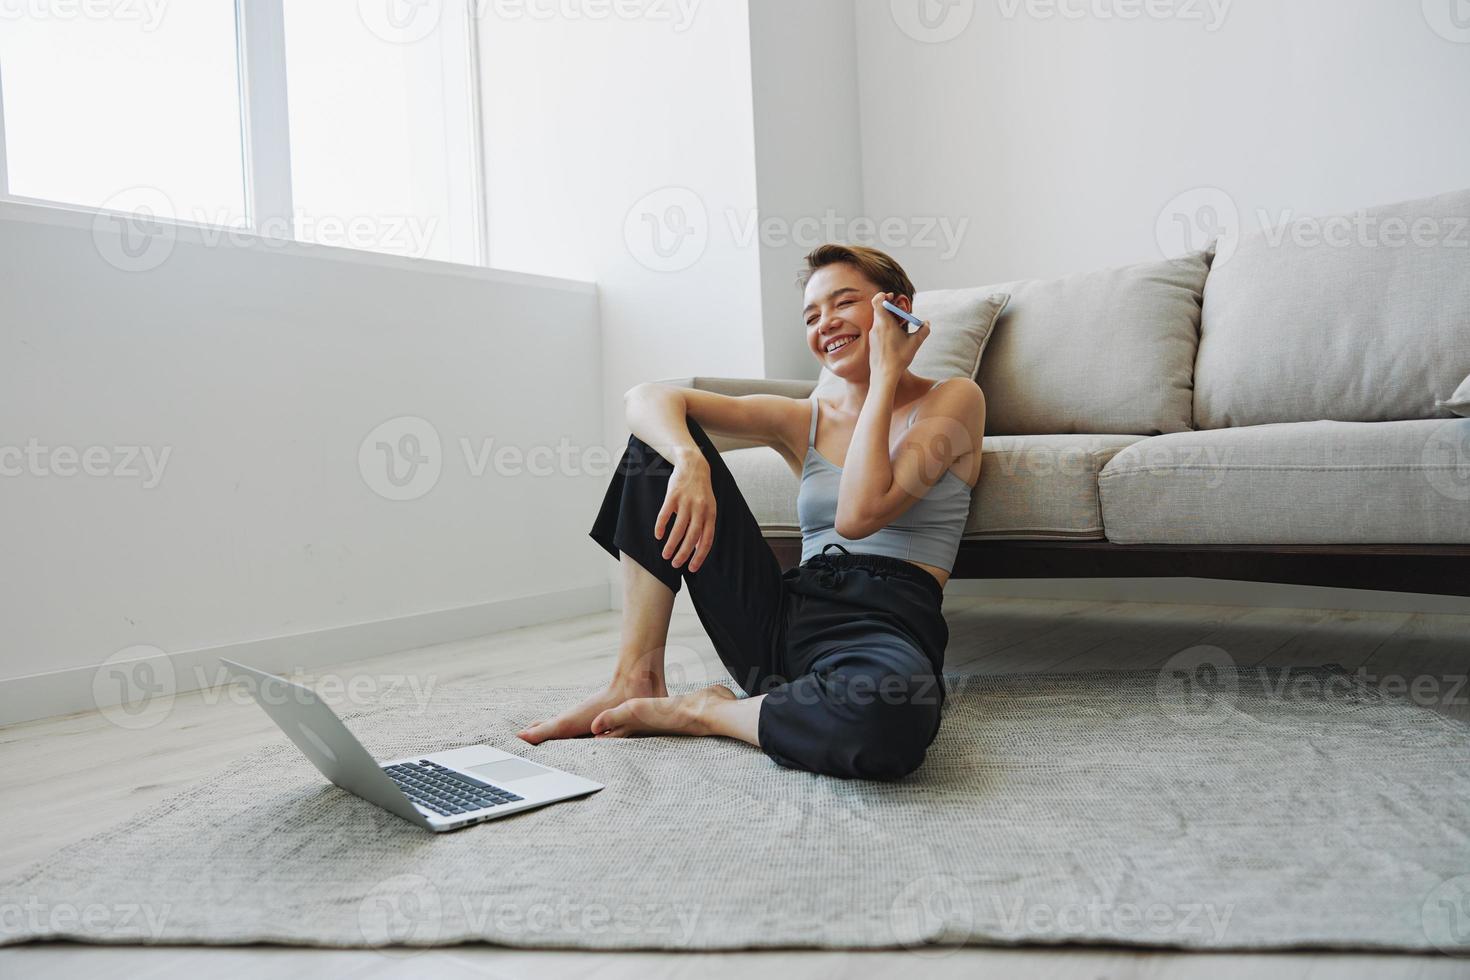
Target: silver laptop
(439, 791)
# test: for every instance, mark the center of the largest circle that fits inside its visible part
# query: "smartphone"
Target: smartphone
(914, 322)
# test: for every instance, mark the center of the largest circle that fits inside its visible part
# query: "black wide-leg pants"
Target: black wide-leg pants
(847, 647)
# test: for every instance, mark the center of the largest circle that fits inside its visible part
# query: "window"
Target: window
(293, 118)
(381, 131)
(121, 112)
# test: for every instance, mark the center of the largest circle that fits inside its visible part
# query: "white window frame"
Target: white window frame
(265, 132)
(4, 167)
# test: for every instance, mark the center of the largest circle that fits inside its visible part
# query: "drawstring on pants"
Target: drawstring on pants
(823, 561)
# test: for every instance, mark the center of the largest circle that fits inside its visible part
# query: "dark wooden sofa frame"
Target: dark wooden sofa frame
(1441, 569)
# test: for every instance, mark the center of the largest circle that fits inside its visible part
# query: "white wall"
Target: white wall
(808, 152)
(602, 132)
(1064, 139)
(261, 370)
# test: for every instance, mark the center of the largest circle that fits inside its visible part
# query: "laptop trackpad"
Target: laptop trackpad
(507, 770)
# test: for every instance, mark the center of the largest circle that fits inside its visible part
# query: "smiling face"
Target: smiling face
(838, 310)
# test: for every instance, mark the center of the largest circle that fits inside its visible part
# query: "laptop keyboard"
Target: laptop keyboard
(444, 791)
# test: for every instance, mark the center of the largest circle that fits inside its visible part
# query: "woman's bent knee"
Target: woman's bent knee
(893, 739)
(853, 726)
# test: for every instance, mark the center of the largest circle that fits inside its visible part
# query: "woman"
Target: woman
(840, 655)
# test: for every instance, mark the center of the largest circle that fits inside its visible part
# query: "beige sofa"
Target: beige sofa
(1287, 408)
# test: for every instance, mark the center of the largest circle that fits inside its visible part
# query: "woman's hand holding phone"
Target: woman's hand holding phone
(690, 501)
(891, 348)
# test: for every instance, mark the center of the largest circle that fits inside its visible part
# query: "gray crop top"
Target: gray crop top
(927, 532)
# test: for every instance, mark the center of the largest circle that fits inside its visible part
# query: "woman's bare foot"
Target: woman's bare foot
(684, 714)
(577, 722)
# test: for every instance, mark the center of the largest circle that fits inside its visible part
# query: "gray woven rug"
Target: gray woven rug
(1254, 811)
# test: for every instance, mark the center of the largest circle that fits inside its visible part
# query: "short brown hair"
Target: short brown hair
(879, 267)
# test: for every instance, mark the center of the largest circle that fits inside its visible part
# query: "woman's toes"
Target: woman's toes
(606, 720)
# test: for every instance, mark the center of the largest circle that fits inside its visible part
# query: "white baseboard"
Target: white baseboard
(1211, 592)
(63, 692)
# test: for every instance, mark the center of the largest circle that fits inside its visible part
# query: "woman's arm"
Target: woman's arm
(876, 489)
(655, 414)
(772, 420)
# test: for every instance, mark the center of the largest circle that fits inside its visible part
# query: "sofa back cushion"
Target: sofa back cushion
(1359, 318)
(961, 322)
(1101, 352)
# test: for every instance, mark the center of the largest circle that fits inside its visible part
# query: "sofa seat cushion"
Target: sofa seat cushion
(1404, 482)
(1042, 486)
(1359, 318)
(1030, 487)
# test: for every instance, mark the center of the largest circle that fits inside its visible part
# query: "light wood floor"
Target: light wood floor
(97, 774)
